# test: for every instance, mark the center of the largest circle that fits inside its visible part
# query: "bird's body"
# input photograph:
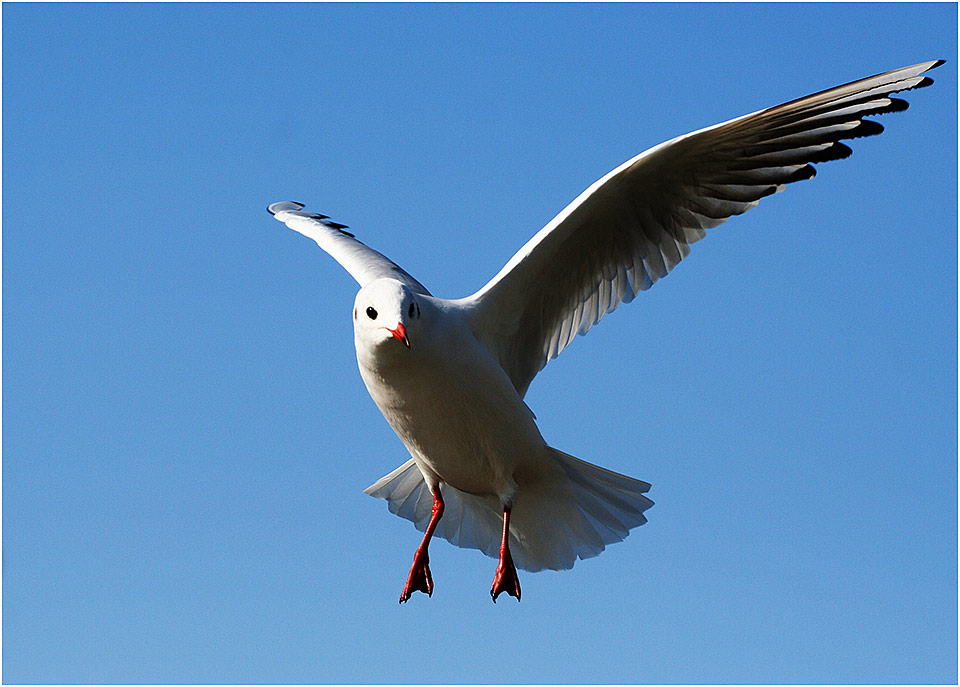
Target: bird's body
(450, 375)
(472, 437)
(458, 415)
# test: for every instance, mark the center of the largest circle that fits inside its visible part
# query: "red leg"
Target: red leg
(419, 578)
(506, 579)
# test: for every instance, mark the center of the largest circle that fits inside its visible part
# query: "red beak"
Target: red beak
(400, 333)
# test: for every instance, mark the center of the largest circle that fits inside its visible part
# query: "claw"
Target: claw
(505, 580)
(419, 579)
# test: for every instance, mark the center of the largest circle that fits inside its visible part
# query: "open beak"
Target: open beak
(400, 333)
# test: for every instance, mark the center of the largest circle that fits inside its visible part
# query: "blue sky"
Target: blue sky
(186, 437)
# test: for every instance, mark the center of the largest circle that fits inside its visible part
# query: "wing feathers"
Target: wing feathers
(363, 263)
(633, 226)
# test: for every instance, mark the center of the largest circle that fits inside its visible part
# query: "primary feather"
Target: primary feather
(634, 225)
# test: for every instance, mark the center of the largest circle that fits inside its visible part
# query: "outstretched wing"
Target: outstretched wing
(364, 264)
(635, 224)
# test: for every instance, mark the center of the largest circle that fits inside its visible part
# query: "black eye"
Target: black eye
(371, 313)
(410, 311)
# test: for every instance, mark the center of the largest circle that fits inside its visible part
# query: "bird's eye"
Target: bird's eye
(371, 313)
(410, 311)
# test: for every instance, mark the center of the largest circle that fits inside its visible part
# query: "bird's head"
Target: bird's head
(386, 313)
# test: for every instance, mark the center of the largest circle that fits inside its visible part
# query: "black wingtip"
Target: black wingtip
(933, 65)
(926, 81)
(802, 174)
(273, 205)
(835, 151)
(867, 127)
(296, 208)
(896, 105)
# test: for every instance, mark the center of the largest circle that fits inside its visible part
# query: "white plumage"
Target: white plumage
(450, 375)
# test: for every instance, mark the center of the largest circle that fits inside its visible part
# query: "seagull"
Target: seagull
(450, 375)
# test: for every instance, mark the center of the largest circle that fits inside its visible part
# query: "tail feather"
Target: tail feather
(469, 521)
(614, 500)
(552, 523)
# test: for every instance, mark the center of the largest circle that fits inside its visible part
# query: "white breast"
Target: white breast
(455, 409)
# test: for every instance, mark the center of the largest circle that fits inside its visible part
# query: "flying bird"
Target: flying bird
(450, 375)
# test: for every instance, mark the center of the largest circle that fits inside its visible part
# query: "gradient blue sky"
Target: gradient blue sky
(186, 437)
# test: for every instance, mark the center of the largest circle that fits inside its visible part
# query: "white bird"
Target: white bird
(450, 375)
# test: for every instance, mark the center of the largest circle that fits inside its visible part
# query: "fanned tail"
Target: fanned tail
(576, 515)
(469, 521)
